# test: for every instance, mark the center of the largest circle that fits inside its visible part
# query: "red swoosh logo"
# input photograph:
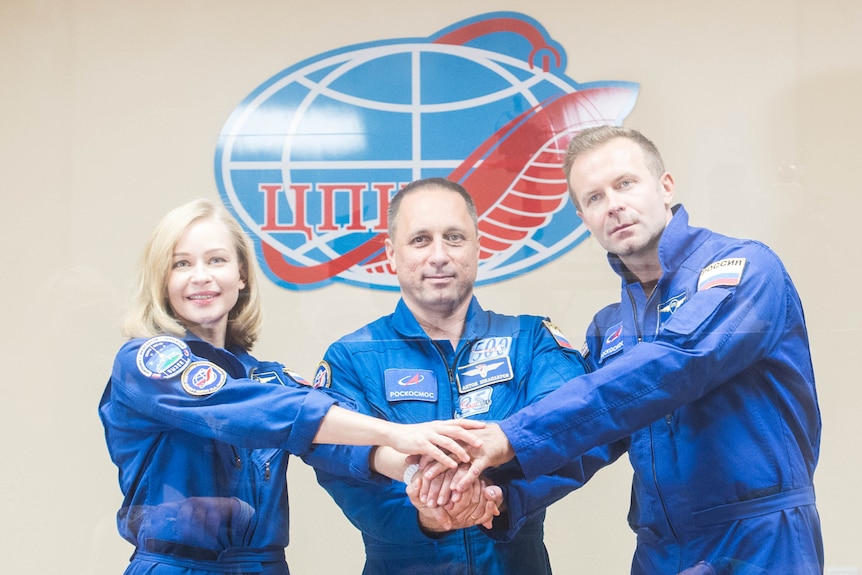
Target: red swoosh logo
(492, 173)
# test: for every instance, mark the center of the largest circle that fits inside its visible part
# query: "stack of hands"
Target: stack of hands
(448, 489)
(441, 506)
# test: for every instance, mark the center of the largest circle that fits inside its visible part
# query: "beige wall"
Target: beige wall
(110, 114)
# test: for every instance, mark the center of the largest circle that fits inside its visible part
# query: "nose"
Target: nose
(615, 203)
(439, 252)
(200, 273)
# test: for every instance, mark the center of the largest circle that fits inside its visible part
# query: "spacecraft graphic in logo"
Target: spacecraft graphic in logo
(309, 160)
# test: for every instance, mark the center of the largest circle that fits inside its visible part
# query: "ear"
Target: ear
(390, 252)
(666, 183)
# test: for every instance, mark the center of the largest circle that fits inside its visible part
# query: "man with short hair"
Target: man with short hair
(441, 356)
(703, 374)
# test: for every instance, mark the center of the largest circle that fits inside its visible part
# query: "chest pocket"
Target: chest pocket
(689, 323)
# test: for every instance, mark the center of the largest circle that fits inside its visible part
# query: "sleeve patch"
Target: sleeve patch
(726, 272)
(163, 357)
(296, 377)
(323, 375)
(561, 339)
(203, 378)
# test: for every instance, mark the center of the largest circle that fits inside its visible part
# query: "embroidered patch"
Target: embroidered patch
(475, 402)
(323, 375)
(410, 384)
(489, 348)
(613, 342)
(562, 340)
(482, 374)
(296, 377)
(726, 272)
(163, 357)
(272, 376)
(668, 306)
(203, 378)
(267, 376)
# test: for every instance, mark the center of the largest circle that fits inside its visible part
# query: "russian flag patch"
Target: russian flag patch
(727, 272)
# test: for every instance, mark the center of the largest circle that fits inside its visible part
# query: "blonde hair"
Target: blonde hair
(150, 313)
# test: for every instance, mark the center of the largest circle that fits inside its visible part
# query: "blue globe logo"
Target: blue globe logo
(309, 160)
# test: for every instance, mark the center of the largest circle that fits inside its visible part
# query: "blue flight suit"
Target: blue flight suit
(201, 437)
(708, 383)
(394, 371)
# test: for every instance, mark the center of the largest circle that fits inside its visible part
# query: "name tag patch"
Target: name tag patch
(478, 375)
(726, 272)
(410, 385)
(488, 363)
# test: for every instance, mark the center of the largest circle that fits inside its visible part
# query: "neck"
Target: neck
(649, 287)
(447, 325)
(646, 269)
(449, 328)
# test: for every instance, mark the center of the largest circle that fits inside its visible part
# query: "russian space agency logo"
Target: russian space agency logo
(309, 160)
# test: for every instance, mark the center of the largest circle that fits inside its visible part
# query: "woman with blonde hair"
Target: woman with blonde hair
(201, 430)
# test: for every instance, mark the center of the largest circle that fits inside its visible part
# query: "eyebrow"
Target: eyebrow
(206, 252)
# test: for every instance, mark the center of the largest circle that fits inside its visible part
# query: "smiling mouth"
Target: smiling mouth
(438, 279)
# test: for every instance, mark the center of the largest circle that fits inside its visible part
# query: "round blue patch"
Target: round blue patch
(163, 357)
(203, 378)
(323, 375)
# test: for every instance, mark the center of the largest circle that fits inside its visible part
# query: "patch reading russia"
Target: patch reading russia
(203, 378)
(613, 342)
(410, 385)
(727, 272)
(163, 357)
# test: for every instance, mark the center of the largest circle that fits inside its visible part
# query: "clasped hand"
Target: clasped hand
(456, 498)
(441, 509)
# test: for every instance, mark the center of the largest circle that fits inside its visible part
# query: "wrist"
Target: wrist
(388, 462)
(430, 526)
(411, 470)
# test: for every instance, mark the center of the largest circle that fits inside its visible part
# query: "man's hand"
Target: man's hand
(446, 441)
(494, 450)
(478, 506)
(436, 439)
